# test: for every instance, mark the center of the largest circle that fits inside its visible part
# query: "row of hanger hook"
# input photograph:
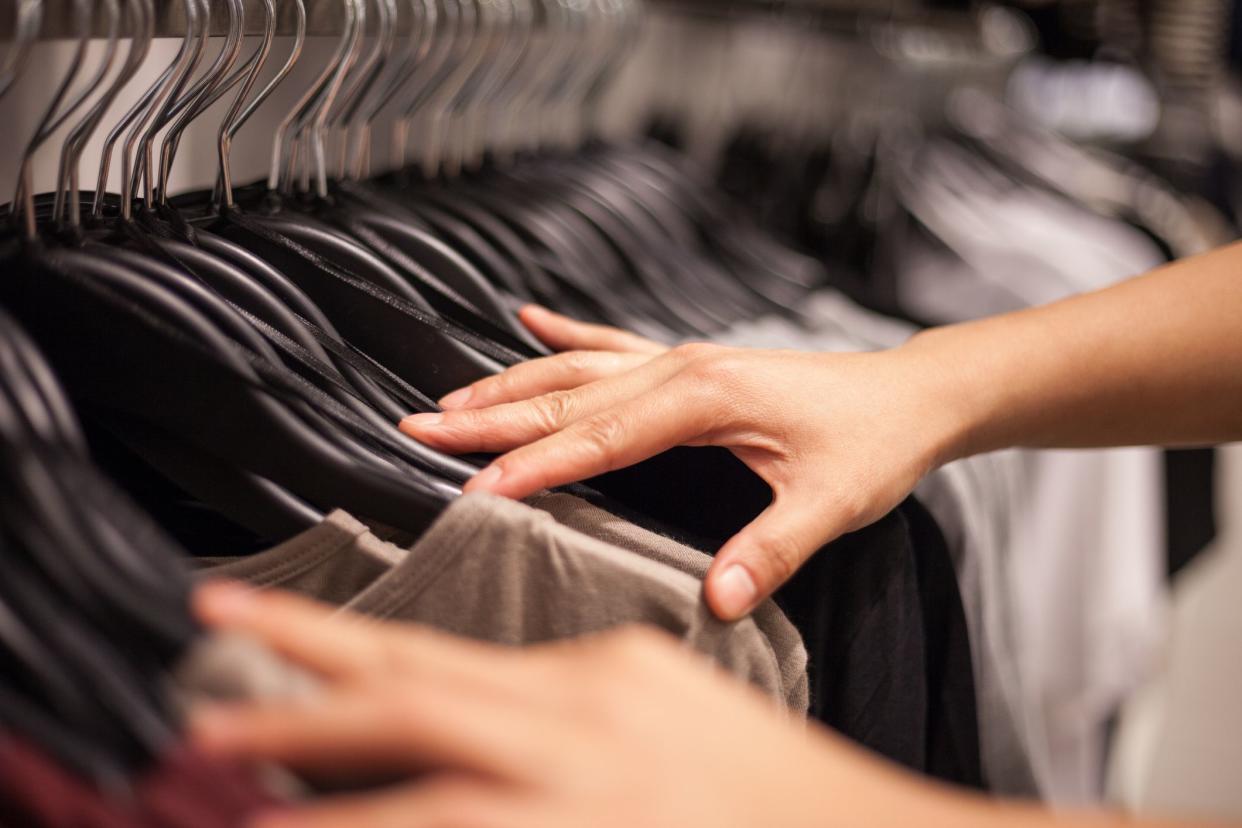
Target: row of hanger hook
(451, 82)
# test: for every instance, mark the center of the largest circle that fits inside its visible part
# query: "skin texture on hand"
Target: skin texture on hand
(840, 438)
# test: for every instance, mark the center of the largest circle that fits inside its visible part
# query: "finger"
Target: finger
(768, 551)
(337, 645)
(451, 802)
(611, 439)
(541, 376)
(560, 333)
(507, 426)
(403, 726)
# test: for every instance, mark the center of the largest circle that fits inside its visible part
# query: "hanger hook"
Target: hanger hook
(192, 104)
(47, 124)
(284, 144)
(299, 41)
(141, 14)
(29, 18)
(137, 145)
(113, 12)
(141, 106)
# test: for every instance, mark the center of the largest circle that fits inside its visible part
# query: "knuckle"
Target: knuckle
(692, 351)
(553, 410)
(718, 370)
(602, 434)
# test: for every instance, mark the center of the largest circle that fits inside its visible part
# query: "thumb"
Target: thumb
(767, 552)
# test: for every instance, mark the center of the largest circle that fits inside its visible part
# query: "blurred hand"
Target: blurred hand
(622, 730)
(840, 438)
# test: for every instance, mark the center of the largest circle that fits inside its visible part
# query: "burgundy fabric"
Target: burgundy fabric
(35, 792)
(185, 790)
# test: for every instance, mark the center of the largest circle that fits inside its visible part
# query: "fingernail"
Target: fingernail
(486, 480)
(536, 309)
(735, 592)
(222, 601)
(417, 421)
(458, 398)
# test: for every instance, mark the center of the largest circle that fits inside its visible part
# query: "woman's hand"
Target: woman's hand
(840, 438)
(621, 730)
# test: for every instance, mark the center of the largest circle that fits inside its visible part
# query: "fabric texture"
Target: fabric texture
(500, 571)
(784, 638)
(497, 570)
(332, 561)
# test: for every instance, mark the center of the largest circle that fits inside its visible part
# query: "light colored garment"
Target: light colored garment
(331, 562)
(1178, 753)
(781, 634)
(495, 570)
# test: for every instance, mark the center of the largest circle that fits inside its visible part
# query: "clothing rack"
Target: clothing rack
(323, 18)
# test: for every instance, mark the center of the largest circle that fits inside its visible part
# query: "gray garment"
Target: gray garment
(493, 569)
(228, 667)
(496, 570)
(332, 561)
(785, 639)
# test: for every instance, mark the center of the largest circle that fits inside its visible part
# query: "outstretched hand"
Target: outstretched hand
(840, 438)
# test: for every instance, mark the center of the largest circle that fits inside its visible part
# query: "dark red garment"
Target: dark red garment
(36, 792)
(185, 790)
(188, 790)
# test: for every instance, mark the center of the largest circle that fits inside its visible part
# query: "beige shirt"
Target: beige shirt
(785, 639)
(497, 570)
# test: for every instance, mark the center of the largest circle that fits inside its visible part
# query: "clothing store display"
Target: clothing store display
(203, 361)
(581, 516)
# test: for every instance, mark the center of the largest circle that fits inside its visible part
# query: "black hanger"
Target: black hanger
(122, 355)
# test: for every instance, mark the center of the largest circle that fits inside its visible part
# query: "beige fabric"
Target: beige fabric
(496, 570)
(330, 562)
(228, 667)
(785, 639)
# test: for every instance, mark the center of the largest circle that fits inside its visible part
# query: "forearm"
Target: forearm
(1155, 360)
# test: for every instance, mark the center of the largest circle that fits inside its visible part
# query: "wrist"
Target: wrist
(958, 389)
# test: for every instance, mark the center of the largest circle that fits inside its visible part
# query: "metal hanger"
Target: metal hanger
(142, 15)
(230, 126)
(139, 139)
(29, 17)
(191, 105)
(136, 112)
(51, 120)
